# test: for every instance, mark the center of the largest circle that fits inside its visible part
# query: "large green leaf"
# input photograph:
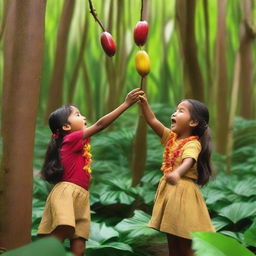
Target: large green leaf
(215, 244)
(239, 236)
(220, 222)
(238, 211)
(100, 233)
(115, 245)
(135, 230)
(42, 247)
(250, 236)
(246, 188)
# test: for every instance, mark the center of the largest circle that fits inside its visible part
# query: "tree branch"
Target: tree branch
(94, 14)
(141, 11)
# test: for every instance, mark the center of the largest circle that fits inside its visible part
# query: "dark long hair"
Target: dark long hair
(200, 113)
(52, 169)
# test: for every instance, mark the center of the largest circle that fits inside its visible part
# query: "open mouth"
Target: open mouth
(173, 121)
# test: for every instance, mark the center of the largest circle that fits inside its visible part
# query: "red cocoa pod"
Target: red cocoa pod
(140, 33)
(108, 44)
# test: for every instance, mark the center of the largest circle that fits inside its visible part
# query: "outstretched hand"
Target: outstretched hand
(143, 99)
(133, 96)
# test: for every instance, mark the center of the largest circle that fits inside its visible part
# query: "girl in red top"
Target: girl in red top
(67, 165)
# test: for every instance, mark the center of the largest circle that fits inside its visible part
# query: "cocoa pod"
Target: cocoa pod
(142, 63)
(108, 44)
(140, 33)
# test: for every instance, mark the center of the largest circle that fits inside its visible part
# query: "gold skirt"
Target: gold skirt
(180, 209)
(67, 204)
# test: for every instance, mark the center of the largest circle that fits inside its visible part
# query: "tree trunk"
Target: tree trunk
(72, 85)
(88, 92)
(57, 80)
(23, 56)
(193, 80)
(233, 107)
(221, 80)
(246, 76)
(207, 50)
(5, 13)
(140, 141)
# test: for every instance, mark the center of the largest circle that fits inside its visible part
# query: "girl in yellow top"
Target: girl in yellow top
(179, 207)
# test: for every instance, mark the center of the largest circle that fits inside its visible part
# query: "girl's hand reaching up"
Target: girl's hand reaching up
(133, 96)
(143, 99)
(172, 177)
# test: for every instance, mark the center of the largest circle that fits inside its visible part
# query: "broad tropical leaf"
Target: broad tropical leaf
(42, 247)
(215, 244)
(135, 230)
(238, 211)
(250, 236)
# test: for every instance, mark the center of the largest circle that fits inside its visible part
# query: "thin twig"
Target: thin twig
(141, 11)
(94, 14)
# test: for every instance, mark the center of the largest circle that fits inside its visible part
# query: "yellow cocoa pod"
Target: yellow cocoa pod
(142, 63)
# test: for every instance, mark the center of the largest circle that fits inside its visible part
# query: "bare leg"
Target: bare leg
(62, 232)
(185, 246)
(77, 246)
(173, 245)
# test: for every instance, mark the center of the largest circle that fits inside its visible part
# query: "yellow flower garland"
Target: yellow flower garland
(88, 157)
(171, 155)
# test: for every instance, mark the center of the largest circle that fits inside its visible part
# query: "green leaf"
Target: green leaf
(113, 197)
(238, 211)
(220, 222)
(115, 245)
(42, 247)
(100, 233)
(250, 236)
(215, 244)
(237, 235)
(135, 230)
(246, 188)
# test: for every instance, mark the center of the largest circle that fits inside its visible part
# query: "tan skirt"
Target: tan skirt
(180, 209)
(67, 204)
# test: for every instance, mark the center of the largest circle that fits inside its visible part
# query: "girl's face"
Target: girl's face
(182, 124)
(76, 121)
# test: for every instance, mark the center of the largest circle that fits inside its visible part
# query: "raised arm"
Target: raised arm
(106, 120)
(150, 117)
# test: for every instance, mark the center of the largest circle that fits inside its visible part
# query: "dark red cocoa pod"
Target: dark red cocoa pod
(140, 33)
(108, 44)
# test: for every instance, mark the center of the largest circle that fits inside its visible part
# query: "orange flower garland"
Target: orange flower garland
(171, 155)
(88, 156)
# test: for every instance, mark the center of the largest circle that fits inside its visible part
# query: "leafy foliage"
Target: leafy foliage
(214, 244)
(42, 247)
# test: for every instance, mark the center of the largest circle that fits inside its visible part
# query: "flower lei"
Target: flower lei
(171, 155)
(87, 156)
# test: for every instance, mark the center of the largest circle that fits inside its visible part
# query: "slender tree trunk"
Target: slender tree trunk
(2, 23)
(164, 67)
(207, 49)
(72, 85)
(221, 80)
(243, 76)
(140, 141)
(88, 92)
(193, 80)
(246, 76)
(57, 80)
(23, 54)
(233, 107)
